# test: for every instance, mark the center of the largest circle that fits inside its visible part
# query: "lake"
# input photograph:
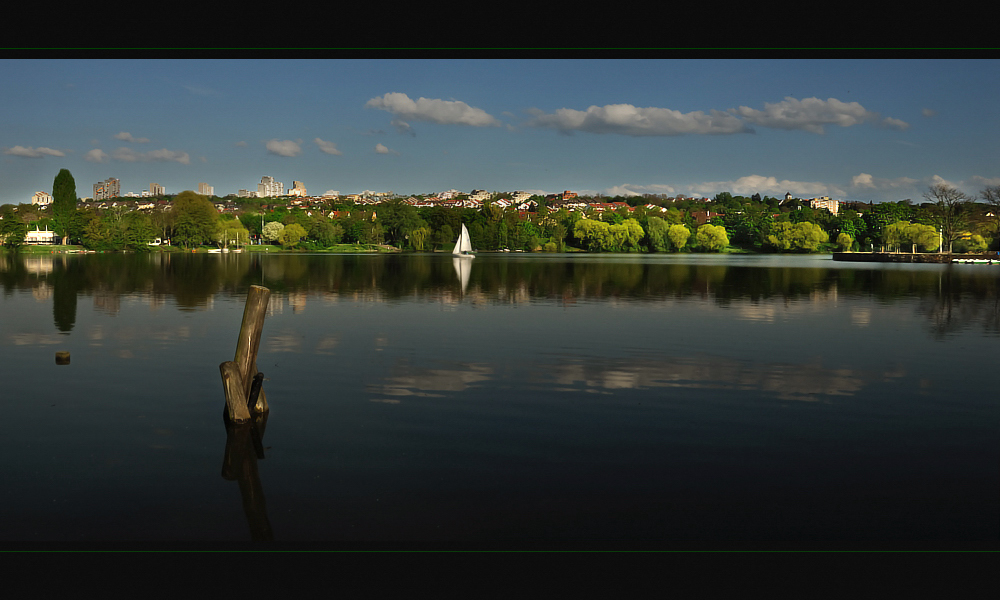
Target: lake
(516, 400)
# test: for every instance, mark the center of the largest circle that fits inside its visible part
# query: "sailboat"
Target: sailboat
(463, 247)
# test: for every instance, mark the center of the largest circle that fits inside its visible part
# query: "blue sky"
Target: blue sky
(853, 129)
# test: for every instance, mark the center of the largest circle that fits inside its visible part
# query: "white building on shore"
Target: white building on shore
(40, 237)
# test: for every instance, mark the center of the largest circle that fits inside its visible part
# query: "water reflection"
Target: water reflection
(810, 381)
(244, 447)
(952, 297)
(409, 380)
(785, 381)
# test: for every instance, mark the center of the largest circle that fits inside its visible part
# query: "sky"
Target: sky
(852, 129)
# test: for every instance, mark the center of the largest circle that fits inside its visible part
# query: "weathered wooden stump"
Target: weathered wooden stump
(249, 341)
(239, 376)
(232, 383)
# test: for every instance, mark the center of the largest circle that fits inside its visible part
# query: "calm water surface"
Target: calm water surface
(525, 399)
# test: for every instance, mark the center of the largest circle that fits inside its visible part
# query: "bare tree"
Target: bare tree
(991, 194)
(951, 211)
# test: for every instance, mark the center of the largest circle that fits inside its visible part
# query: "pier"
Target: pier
(909, 257)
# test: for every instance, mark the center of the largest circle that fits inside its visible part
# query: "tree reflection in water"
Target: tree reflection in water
(952, 297)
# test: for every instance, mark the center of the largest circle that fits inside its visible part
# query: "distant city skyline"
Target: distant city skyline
(853, 130)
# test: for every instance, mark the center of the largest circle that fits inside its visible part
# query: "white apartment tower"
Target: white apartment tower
(206, 190)
(156, 189)
(825, 202)
(268, 187)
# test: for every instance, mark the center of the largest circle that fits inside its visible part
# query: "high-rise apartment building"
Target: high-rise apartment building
(206, 190)
(825, 202)
(109, 188)
(268, 187)
(297, 189)
(156, 189)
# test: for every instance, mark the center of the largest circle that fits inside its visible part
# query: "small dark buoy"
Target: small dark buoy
(62, 358)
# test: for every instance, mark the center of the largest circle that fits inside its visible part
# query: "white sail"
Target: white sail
(463, 247)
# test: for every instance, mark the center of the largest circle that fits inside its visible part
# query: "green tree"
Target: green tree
(800, 237)
(975, 243)
(844, 241)
(195, 219)
(712, 238)
(593, 233)
(925, 236)
(895, 235)
(326, 232)
(419, 238)
(625, 236)
(398, 219)
(63, 202)
(291, 235)
(12, 229)
(444, 236)
(678, 235)
(231, 231)
(137, 231)
(656, 231)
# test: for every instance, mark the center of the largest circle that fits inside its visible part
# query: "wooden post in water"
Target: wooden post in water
(249, 342)
(239, 375)
(232, 383)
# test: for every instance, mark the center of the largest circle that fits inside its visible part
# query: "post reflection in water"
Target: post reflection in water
(244, 447)
(513, 397)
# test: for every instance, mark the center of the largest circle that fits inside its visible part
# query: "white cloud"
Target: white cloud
(284, 147)
(444, 112)
(96, 155)
(241, 144)
(865, 181)
(812, 114)
(163, 155)
(626, 119)
(895, 124)
(927, 112)
(768, 186)
(30, 152)
(938, 180)
(382, 149)
(328, 147)
(984, 181)
(127, 137)
(403, 127)
(628, 189)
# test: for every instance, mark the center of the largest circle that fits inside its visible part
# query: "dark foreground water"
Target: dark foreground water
(520, 400)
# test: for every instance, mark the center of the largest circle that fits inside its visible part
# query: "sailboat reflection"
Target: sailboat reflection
(463, 266)
(244, 447)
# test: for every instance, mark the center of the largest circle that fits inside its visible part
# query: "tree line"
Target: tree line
(948, 219)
